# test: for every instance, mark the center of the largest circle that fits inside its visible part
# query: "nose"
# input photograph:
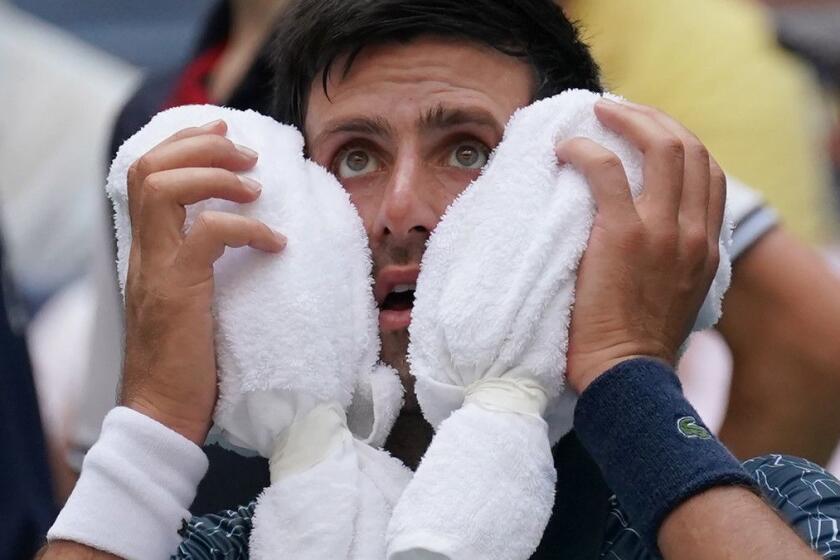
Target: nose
(407, 207)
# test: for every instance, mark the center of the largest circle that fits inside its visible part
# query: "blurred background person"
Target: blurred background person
(61, 97)
(26, 494)
(65, 95)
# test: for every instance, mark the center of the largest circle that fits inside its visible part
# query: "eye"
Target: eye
(355, 162)
(469, 155)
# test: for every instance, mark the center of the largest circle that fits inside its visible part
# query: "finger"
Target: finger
(134, 178)
(694, 202)
(166, 194)
(715, 194)
(662, 151)
(605, 174)
(213, 127)
(193, 147)
(212, 232)
(205, 150)
(717, 200)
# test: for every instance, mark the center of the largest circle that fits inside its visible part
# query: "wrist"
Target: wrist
(135, 489)
(193, 427)
(583, 371)
(584, 376)
(650, 443)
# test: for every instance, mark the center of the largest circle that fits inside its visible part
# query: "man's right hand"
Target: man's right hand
(170, 365)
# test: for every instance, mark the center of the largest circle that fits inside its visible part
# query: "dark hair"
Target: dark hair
(312, 34)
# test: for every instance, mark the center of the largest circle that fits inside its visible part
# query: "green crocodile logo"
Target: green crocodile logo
(688, 427)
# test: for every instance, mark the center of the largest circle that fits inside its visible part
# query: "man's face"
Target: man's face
(405, 131)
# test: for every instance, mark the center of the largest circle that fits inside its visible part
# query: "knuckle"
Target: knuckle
(131, 176)
(220, 151)
(249, 226)
(218, 143)
(671, 146)
(206, 221)
(634, 234)
(688, 284)
(606, 162)
(717, 176)
(144, 165)
(697, 150)
(153, 186)
(696, 243)
(212, 224)
(133, 186)
(666, 240)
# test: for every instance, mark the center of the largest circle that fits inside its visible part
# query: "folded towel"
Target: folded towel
(489, 334)
(296, 336)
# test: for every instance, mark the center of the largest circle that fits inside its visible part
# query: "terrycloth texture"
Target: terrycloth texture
(493, 302)
(139, 474)
(296, 335)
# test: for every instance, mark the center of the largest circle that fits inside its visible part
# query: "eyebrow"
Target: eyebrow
(440, 117)
(437, 117)
(376, 126)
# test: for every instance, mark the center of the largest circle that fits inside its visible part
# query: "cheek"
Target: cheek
(367, 203)
(452, 182)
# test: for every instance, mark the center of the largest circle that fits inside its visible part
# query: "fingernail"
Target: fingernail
(607, 102)
(211, 124)
(246, 151)
(636, 105)
(251, 184)
(281, 239)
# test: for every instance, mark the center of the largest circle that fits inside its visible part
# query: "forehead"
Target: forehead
(397, 82)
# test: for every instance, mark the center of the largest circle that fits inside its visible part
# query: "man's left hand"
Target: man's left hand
(650, 261)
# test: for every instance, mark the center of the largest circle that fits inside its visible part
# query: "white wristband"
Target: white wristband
(135, 489)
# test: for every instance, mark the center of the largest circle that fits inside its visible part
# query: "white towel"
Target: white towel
(489, 334)
(296, 336)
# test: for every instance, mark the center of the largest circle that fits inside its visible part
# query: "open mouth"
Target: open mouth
(400, 298)
(394, 293)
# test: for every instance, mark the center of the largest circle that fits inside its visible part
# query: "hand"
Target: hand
(650, 262)
(170, 365)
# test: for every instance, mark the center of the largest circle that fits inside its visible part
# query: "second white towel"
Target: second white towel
(489, 334)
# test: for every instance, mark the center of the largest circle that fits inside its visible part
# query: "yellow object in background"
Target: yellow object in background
(715, 66)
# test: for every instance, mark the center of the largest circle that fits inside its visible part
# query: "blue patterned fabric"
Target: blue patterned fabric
(223, 536)
(804, 494)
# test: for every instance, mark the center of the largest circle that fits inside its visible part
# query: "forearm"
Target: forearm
(728, 522)
(134, 492)
(66, 550)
